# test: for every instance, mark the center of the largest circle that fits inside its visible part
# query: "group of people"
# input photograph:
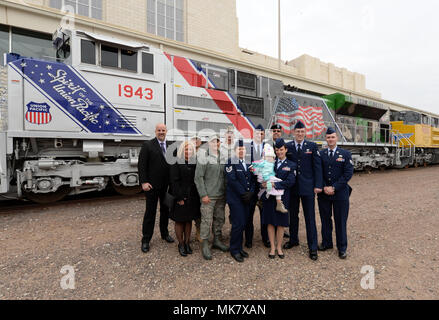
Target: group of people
(274, 176)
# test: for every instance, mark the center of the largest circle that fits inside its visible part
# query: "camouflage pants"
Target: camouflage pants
(212, 215)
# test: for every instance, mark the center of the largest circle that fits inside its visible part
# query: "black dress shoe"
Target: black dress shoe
(248, 245)
(290, 245)
(145, 246)
(321, 247)
(168, 239)
(286, 235)
(342, 255)
(282, 256)
(238, 257)
(188, 249)
(313, 255)
(182, 250)
(244, 254)
(267, 244)
(272, 256)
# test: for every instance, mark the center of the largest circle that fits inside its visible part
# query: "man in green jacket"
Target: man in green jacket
(210, 182)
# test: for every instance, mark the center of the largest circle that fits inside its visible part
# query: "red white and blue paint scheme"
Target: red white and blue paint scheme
(76, 123)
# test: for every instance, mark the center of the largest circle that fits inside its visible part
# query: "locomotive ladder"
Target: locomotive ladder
(401, 148)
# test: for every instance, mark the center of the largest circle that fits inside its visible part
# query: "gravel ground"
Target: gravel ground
(393, 226)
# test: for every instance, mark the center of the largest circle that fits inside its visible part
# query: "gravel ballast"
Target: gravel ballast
(393, 227)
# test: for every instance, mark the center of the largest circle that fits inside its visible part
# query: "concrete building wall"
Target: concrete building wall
(213, 24)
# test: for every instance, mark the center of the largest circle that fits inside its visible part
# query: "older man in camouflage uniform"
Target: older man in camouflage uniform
(210, 182)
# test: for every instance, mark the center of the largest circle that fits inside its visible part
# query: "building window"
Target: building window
(4, 42)
(32, 44)
(165, 18)
(87, 8)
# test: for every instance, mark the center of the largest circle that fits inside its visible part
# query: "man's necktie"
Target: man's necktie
(162, 145)
(299, 150)
(331, 154)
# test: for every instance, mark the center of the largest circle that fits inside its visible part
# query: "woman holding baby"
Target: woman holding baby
(276, 194)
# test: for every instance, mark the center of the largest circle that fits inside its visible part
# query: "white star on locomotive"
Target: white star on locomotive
(49, 67)
(42, 81)
(24, 64)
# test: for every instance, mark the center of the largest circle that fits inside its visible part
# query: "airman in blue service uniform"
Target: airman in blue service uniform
(309, 182)
(256, 154)
(337, 171)
(276, 221)
(241, 186)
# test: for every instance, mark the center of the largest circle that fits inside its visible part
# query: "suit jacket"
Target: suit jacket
(253, 156)
(309, 168)
(182, 181)
(337, 173)
(152, 165)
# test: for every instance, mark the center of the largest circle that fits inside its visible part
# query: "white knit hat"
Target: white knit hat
(269, 151)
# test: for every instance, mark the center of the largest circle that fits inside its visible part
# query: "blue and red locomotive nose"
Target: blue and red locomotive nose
(38, 113)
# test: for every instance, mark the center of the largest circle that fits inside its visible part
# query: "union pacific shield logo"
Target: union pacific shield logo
(38, 113)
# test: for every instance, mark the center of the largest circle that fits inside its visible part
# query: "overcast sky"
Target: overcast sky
(394, 43)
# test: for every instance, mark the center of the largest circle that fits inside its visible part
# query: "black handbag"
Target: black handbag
(169, 201)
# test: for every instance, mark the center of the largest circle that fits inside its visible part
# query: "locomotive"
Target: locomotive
(76, 123)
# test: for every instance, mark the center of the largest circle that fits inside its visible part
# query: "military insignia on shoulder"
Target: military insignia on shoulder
(295, 172)
(352, 162)
(229, 169)
(318, 153)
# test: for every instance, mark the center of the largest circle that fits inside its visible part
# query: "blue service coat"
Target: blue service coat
(309, 168)
(239, 180)
(287, 173)
(337, 173)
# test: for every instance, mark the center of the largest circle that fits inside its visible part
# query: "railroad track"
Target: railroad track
(12, 206)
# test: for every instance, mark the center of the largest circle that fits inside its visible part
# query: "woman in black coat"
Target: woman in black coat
(187, 206)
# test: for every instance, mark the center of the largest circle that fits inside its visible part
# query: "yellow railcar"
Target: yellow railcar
(418, 135)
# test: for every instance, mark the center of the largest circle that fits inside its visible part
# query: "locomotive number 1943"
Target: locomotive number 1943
(129, 92)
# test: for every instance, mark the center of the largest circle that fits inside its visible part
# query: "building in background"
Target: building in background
(206, 30)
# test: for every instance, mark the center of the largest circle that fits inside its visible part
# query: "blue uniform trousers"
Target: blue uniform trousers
(340, 208)
(308, 205)
(239, 214)
(249, 229)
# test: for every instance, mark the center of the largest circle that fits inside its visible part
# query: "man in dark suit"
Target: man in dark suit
(256, 154)
(309, 182)
(338, 169)
(154, 178)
